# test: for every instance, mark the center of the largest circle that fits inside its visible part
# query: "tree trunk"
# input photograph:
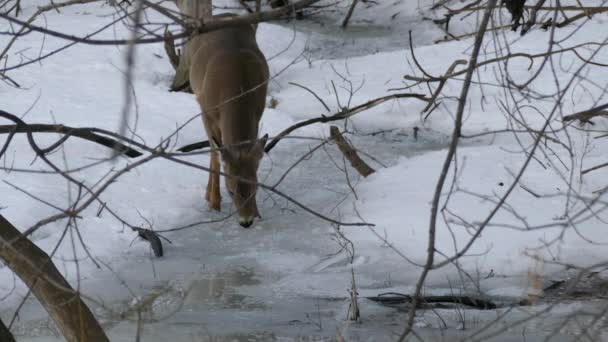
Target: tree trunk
(191, 9)
(38, 272)
(195, 9)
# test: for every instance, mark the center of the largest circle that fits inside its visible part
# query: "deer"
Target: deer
(229, 77)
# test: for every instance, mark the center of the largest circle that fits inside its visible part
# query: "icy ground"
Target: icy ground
(287, 278)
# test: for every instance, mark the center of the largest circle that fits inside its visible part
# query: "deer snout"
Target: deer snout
(247, 221)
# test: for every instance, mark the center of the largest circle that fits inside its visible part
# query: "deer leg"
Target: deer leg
(209, 180)
(213, 186)
(255, 205)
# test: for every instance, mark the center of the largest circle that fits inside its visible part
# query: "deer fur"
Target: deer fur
(229, 76)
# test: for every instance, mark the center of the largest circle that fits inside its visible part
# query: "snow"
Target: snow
(283, 278)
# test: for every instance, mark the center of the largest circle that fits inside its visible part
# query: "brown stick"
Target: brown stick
(585, 115)
(37, 271)
(353, 313)
(349, 153)
(170, 49)
(5, 334)
(349, 14)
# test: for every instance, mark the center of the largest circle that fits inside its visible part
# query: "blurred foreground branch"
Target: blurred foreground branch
(5, 334)
(35, 268)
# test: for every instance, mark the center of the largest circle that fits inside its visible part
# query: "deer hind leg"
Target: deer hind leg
(213, 196)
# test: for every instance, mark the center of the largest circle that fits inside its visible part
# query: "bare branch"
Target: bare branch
(340, 115)
(83, 133)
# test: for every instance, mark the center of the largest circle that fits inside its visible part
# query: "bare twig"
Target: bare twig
(313, 94)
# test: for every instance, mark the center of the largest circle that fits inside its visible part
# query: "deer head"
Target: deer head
(241, 164)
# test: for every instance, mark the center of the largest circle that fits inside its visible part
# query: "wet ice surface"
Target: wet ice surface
(221, 282)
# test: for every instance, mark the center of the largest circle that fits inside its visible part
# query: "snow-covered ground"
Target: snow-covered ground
(287, 277)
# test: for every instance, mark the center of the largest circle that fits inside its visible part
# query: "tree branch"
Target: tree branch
(83, 133)
(198, 26)
(5, 334)
(340, 115)
(35, 268)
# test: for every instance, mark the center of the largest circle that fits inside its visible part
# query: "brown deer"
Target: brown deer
(229, 76)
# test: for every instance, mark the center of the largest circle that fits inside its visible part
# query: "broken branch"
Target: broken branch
(350, 153)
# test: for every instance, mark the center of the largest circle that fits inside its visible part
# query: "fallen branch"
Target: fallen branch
(585, 115)
(400, 298)
(349, 153)
(35, 268)
(82, 133)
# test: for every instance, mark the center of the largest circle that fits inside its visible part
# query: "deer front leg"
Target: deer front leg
(213, 196)
(209, 180)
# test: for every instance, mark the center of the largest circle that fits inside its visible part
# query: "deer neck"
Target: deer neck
(237, 129)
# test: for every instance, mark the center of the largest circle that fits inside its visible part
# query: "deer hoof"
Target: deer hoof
(215, 203)
(215, 206)
(246, 222)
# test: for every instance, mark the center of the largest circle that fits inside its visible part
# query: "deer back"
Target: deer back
(229, 76)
